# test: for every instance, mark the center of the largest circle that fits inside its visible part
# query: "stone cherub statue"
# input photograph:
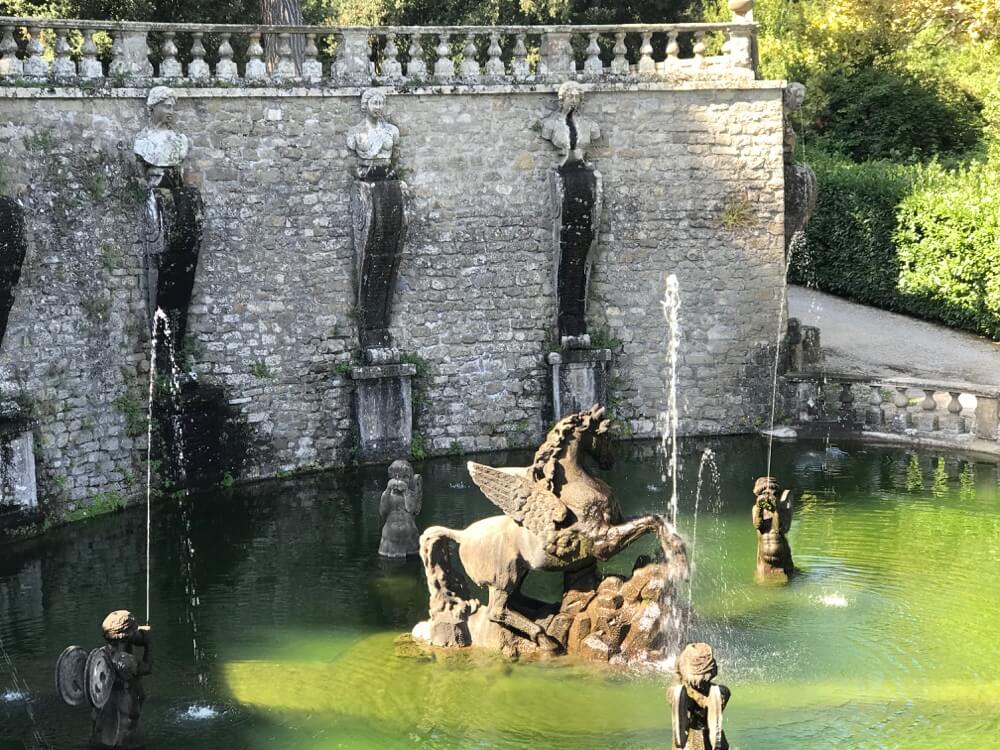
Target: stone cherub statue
(800, 179)
(159, 147)
(398, 508)
(696, 704)
(772, 517)
(555, 517)
(567, 129)
(109, 678)
(374, 139)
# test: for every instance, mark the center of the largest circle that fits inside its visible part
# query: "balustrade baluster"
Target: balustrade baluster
(699, 47)
(673, 49)
(256, 70)
(391, 67)
(119, 66)
(619, 65)
(416, 68)
(285, 68)
(593, 65)
(494, 65)
(646, 64)
(470, 65)
(10, 65)
(519, 67)
(312, 68)
(63, 67)
(902, 419)
(36, 66)
(226, 69)
(170, 66)
(953, 421)
(874, 414)
(90, 66)
(444, 68)
(927, 419)
(846, 404)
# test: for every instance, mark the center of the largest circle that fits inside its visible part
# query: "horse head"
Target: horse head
(586, 431)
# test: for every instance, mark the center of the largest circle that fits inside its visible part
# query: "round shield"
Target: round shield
(70, 676)
(99, 677)
(681, 718)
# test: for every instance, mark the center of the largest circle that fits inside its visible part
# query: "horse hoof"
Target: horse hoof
(547, 643)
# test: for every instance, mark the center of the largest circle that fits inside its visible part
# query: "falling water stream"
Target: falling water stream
(782, 305)
(192, 600)
(707, 460)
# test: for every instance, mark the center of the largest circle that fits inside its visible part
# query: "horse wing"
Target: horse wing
(537, 510)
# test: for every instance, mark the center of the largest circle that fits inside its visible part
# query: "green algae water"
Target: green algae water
(277, 624)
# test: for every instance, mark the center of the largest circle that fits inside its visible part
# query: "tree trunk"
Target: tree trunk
(282, 13)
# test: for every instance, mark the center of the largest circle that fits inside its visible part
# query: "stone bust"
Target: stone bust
(567, 129)
(793, 97)
(158, 146)
(374, 139)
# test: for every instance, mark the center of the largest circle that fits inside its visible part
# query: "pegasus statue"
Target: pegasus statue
(556, 517)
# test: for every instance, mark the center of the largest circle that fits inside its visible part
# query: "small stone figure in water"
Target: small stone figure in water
(696, 704)
(109, 679)
(772, 517)
(567, 129)
(399, 506)
(374, 139)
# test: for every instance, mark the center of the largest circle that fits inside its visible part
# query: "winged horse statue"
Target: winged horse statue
(556, 517)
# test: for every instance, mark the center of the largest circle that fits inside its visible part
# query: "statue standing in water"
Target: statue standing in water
(109, 678)
(696, 704)
(772, 517)
(398, 508)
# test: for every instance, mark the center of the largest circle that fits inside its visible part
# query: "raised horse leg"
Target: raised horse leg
(613, 539)
(498, 611)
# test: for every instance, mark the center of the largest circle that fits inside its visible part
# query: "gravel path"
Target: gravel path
(869, 341)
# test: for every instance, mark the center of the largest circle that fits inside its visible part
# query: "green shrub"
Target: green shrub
(890, 113)
(948, 240)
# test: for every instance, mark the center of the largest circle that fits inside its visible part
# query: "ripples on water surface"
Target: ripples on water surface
(888, 639)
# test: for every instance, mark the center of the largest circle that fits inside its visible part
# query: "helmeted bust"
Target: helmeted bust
(158, 144)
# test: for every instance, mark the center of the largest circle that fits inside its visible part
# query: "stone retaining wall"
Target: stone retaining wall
(693, 185)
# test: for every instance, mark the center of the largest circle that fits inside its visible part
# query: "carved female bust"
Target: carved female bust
(567, 129)
(158, 146)
(374, 139)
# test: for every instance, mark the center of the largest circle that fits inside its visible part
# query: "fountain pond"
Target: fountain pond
(886, 638)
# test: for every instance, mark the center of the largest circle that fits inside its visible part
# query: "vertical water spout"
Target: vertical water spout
(669, 419)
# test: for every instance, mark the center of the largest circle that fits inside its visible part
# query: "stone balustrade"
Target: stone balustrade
(910, 406)
(78, 51)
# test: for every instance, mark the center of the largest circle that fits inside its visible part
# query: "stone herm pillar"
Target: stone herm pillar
(579, 373)
(383, 399)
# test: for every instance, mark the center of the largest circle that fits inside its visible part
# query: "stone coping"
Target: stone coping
(975, 389)
(184, 90)
(396, 370)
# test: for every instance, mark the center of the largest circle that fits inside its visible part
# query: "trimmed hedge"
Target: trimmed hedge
(948, 240)
(919, 240)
